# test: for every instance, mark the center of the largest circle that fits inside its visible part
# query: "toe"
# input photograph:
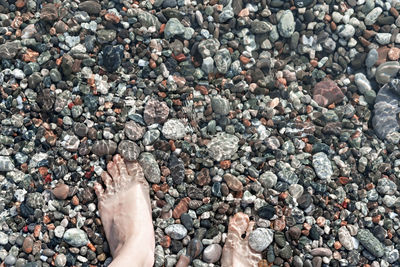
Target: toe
(249, 229)
(239, 224)
(107, 180)
(99, 190)
(121, 166)
(135, 171)
(113, 171)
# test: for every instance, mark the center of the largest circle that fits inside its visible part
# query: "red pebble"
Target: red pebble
(48, 179)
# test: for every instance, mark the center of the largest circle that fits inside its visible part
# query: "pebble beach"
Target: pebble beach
(286, 110)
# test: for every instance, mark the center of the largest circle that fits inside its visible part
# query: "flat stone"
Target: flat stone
(327, 92)
(176, 231)
(150, 167)
(222, 60)
(386, 71)
(260, 239)
(322, 166)
(155, 112)
(76, 237)
(370, 243)
(61, 191)
(286, 24)
(212, 253)
(220, 105)
(91, 7)
(173, 27)
(173, 129)
(6, 164)
(345, 238)
(322, 252)
(233, 183)
(372, 16)
(223, 146)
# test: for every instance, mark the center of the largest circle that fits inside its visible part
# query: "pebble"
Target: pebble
(10, 260)
(233, 183)
(322, 252)
(372, 58)
(370, 243)
(75, 237)
(61, 260)
(104, 147)
(286, 25)
(91, 7)
(345, 238)
(176, 231)
(3, 238)
(386, 71)
(6, 164)
(173, 129)
(327, 92)
(212, 253)
(223, 146)
(150, 167)
(155, 112)
(322, 165)
(372, 16)
(260, 239)
(129, 150)
(173, 27)
(220, 105)
(134, 131)
(61, 191)
(384, 121)
(27, 245)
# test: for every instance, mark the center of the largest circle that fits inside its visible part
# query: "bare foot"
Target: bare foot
(125, 212)
(236, 251)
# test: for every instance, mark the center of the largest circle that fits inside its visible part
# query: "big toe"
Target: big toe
(239, 224)
(236, 251)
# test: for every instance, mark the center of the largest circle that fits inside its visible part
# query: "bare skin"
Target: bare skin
(236, 251)
(125, 211)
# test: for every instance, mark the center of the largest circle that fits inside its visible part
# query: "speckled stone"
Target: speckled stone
(176, 231)
(150, 167)
(75, 237)
(134, 131)
(223, 146)
(104, 147)
(173, 129)
(129, 150)
(155, 112)
(260, 239)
